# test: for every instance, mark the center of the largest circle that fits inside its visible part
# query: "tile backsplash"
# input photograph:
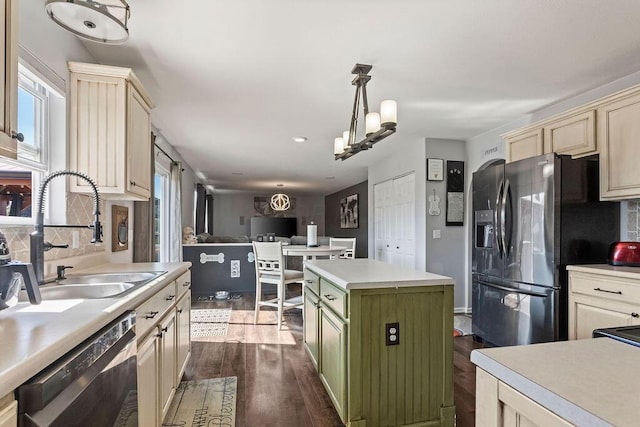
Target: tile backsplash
(633, 221)
(79, 211)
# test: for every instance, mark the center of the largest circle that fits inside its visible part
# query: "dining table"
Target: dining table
(311, 252)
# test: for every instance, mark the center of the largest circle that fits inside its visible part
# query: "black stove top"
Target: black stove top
(626, 334)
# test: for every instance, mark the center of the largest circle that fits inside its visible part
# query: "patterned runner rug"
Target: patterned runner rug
(209, 402)
(210, 322)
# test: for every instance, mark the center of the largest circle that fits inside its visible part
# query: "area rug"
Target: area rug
(210, 322)
(209, 402)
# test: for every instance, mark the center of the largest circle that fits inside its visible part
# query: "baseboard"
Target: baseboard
(462, 310)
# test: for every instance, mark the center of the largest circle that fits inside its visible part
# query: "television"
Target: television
(281, 227)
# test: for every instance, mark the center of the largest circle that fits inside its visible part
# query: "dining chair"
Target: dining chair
(345, 242)
(270, 269)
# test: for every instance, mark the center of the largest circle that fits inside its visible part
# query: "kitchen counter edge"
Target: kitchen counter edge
(16, 370)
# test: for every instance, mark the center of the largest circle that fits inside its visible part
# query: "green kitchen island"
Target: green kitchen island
(381, 337)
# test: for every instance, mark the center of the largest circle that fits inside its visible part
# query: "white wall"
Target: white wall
(232, 213)
(409, 157)
(446, 255)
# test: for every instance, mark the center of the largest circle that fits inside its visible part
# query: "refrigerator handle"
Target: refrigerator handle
(506, 233)
(496, 220)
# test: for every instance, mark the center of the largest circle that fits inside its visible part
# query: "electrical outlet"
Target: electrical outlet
(235, 268)
(392, 333)
(75, 239)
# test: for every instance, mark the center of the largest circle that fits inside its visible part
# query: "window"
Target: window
(20, 178)
(161, 213)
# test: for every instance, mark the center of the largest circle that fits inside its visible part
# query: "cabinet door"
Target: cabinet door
(167, 361)
(525, 145)
(9, 77)
(138, 144)
(618, 136)
(183, 318)
(574, 135)
(333, 359)
(310, 324)
(589, 313)
(148, 371)
(9, 415)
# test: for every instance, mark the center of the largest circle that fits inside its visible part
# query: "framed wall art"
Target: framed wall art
(349, 212)
(435, 169)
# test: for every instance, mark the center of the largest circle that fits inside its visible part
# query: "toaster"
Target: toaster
(624, 253)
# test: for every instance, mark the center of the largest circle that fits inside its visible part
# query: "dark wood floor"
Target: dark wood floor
(277, 382)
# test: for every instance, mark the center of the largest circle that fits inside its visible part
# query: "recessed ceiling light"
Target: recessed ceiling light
(237, 173)
(329, 177)
(299, 138)
(280, 185)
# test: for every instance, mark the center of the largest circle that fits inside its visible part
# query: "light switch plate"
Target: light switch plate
(436, 234)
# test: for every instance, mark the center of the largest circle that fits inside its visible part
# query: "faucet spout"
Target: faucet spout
(38, 246)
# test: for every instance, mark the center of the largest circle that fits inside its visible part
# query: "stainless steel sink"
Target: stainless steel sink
(93, 286)
(134, 277)
(101, 290)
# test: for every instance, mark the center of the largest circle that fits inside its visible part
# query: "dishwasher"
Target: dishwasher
(94, 384)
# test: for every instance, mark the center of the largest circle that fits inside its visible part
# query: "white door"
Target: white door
(394, 221)
(404, 206)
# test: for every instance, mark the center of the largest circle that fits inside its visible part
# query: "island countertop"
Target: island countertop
(34, 336)
(363, 273)
(590, 382)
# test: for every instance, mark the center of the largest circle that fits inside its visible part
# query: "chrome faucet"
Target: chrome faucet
(38, 245)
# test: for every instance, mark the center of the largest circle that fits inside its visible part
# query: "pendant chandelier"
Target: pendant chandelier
(103, 22)
(280, 202)
(377, 125)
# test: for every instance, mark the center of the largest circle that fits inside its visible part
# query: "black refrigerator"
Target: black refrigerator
(532, 218)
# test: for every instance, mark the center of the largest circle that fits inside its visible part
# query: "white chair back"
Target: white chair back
(269, 261)
(345, 242)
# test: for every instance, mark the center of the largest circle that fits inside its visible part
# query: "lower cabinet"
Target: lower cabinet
(333, 354)
(183, 334)
(164, 347)
(148, 368)
(601, 301)
(365, 376)
(310, 324)
(8, 411)
(167, 333)
(499, 405)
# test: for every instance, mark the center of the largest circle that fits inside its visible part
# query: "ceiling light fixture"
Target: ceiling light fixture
(280, 202)
(377, 126)
(104, 22)
(299, 139)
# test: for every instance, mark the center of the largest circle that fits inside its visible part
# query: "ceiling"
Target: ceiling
(234, 81)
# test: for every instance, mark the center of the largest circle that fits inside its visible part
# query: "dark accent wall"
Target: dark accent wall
(332, 217)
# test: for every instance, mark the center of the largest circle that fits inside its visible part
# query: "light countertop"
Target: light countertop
(590, 382)
(364, 273)
(34, 336)
(609, 270)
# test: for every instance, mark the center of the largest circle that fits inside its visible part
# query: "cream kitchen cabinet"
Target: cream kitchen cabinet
(497, 404)
(8, 411)
(618, 136)
(109, 131)
(523, 145)
(9, 79)
(601, 301)
(163, 328)
(573, 135)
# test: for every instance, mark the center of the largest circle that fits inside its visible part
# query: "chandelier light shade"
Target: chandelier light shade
(280, 202)
(377, 125)
(102, 22)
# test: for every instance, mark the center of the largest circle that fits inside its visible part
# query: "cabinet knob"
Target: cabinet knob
(164, 329)
(132, 183)
(179, 311)
(17, 135)
(636, 315)
(170, 297)
(330, 297)
(151, 315)
(186, 284)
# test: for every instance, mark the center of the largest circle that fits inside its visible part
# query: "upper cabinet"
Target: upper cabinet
(619, 139)
(109, 131)
(571, 133)
(9, 79)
